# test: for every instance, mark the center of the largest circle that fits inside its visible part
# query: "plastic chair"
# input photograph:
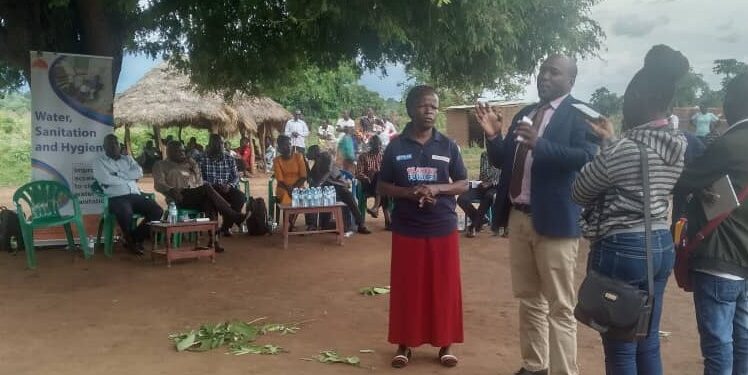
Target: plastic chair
(245, 185)
(273, 210)
(108, 221)
(44, 199)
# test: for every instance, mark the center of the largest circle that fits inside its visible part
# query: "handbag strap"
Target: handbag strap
(644, 156)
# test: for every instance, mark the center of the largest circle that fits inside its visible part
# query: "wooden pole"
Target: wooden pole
(159, 144)
(128, 139)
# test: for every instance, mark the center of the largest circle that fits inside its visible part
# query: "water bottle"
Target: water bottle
(330, 195)
(91, 244)
(460, 221)
(172, 219)
(303, 198)
(295, 198)
(333, 195)
(318, 196)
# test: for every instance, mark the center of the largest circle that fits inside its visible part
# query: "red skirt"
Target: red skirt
(426, 292)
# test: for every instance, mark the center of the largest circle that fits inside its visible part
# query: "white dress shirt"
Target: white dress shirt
(117, 177)
(297, 126)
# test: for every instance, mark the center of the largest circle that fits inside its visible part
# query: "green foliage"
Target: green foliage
(11, 79)
(689, 89)
(374, 290)
(729, 68)
(325, 94)
(15, 149)
(236, 336)
(255, 45)
(331, 356)
(607, 102)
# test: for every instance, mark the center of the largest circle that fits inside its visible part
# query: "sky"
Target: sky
(702, 31)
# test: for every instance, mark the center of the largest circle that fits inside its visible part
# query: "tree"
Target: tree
(96, 27)
(255, 45)
(607, 102)
(690, 89)
(729, 68)
(324, 94)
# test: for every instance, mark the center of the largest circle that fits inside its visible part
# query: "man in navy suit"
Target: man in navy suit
(546, 145)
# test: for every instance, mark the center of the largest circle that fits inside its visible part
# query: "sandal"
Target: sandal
(447, 360)
(401, 360)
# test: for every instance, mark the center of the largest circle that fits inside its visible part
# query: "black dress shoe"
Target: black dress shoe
(135, 248)
(523, 371)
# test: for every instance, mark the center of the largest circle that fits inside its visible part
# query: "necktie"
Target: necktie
(518, 171)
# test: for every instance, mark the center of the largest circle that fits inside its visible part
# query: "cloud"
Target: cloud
(730, 38)
(634, 26)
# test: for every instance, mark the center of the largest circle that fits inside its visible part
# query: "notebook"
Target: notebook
(725, 201)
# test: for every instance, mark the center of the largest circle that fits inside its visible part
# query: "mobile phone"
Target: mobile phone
(587, 111)
(527, 121)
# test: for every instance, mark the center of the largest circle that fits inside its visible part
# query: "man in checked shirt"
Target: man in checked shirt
(219, 170)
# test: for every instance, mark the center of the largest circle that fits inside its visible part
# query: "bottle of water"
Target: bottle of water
(91, 244)
(304, 197)
(172, 213)
(295, 198)
(333, 195)
(318, 196)
(330, 195)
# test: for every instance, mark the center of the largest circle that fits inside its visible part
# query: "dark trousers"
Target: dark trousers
(124, 206)
(206, 199)
(236, 200)
(486, 197)
(345, 196)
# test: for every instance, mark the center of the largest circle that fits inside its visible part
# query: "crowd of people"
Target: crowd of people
(549, 176)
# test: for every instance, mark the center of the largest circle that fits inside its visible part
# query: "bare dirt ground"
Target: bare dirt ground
(113, 316)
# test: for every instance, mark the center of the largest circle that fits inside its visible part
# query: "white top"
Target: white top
(345, 123)
(297, 126)
(326, 132)
(389, 129)
(117, 177)
(674, 121)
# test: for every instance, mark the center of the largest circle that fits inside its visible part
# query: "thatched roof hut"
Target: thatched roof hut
(164, 98)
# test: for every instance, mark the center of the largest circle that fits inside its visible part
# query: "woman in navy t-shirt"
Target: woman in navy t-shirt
(423, 171)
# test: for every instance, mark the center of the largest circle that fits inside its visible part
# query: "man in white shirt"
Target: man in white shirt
(343, 123)
(297, 130)
(326, 135)
(389, 131)
(118, 176)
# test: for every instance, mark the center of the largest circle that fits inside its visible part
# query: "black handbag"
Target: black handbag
(613, 307)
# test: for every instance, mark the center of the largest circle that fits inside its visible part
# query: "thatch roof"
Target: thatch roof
(260, 110)
(164, 97)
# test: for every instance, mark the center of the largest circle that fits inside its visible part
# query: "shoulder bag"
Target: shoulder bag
(613, 307)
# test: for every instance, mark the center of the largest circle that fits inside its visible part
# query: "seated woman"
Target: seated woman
(325, 173)
(367, 172)
(290, 172)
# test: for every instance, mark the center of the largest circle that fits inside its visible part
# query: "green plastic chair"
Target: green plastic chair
(44, 200)
(108, 221)
(245, 185)
(272, 203)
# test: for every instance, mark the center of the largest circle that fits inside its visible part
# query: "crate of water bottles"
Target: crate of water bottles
(318, 196)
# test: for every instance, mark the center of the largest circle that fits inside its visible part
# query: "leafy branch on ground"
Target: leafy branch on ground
(332, 356)
(374, 290)
(237, 336)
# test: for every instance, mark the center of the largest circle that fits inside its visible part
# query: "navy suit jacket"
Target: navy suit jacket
(566, 146)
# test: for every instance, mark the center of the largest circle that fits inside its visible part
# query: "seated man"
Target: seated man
(485, 192)
(179, 179)
(117, 175)
(324, 173)
(367, 172)
(219, 170)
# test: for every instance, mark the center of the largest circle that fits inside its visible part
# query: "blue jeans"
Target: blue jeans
(622, 256)
(722, 316)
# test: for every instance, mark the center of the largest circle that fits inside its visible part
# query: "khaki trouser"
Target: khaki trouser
(543, 280)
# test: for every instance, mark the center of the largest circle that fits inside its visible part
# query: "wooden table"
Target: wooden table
(184, 252)
(336, 210)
